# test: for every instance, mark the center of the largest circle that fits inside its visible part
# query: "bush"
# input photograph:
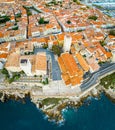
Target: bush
(46, 81)
(15, 76)
(10, 80)
(5, 72)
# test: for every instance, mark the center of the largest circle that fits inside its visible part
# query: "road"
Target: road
(94, 77)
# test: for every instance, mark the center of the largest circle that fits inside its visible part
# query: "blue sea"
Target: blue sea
(96, 115)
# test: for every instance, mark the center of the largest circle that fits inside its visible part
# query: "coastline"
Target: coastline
(53, 106)
(52, 111)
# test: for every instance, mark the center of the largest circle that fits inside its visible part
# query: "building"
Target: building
(12, 64)
(67, 43)
(41, 64)
(50, 44)
(82, 62)
(93, 64)
(3, 57)
(26, 66)
(7, 1)
(113, 56)
(1, 65)
(30, 64)
(24, 47)
(72, 75)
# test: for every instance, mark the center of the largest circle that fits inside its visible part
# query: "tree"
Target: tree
(56, 49)
(77, 1)
(29, 12)
(15, 28)
(18, 15)
(93, 17)
(102, 43)
(4, 19)
(47, 81)
(5, 72)
(41, 20)
(68, 22)
(45, 46)
(74, 0)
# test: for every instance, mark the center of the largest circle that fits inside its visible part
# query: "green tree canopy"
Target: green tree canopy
(56, 49)
(68, 22)
(93, 17)
(41, 20)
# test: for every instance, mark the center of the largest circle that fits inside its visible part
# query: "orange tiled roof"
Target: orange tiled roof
(108, 54)
(76, 80)
(82, 62)
(3, 55)
(70, 64)
(62, 66)
(71, 74)
(13, 60)
(1, 34)
(41, 61)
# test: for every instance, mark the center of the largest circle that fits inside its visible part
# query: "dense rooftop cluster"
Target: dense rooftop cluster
(78, 34)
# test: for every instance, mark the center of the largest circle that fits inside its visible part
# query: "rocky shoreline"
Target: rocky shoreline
(53, 107)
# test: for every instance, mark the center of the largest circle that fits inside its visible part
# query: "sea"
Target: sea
(94, 114)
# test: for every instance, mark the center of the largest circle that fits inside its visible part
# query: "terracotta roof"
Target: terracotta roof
(41, 61)
(70, 64)
(62, 66)
(108, 54)
(71, 74)
(82, 62)
(13, 60)
(76, 80)
(3, 55)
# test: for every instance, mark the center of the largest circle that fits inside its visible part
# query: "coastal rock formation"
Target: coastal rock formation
(53, 106)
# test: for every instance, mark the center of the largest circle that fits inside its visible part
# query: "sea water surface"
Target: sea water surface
(98, 115)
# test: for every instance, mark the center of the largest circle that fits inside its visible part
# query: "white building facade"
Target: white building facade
(67, 43)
